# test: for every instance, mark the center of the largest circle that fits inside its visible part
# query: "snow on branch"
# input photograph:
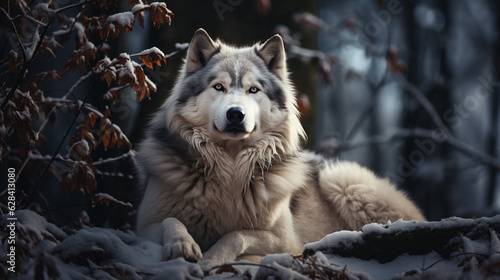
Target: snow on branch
(26, 100)
(104, 198)
(466, 249)
(384, 243)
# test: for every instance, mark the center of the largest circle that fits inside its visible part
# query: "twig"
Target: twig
(369, 108)
(420, 97)
(70, 91)
(130, 153)
(33, 19)
(29, 197)
(430, 134)
(81, 3)
(23, 166)
(58, 157)
(24, 68)
(318, 270)
(11, 20)
(245, 263)
(454, 256)
(28, 158)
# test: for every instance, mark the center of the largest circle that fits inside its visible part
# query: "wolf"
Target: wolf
(227, 176)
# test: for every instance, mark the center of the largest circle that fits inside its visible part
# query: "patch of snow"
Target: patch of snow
(181, 46)
(122, 19)
(88, 46)
(150, 51)
(105, 196)
(100, 253)
(155, 5)
(138, 7)
(344, 237)
(388, 270)
(117, 246)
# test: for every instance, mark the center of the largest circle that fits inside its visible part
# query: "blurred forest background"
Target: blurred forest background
(408, 88)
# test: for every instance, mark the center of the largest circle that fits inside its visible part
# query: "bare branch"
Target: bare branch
(22, 73)
(128, 154)
(436, 135)
(11, 20)
(24, 68)
(420, 97)
(30, 195)
(70, 91)
(370, 107)
(33, 19)
(62, 9)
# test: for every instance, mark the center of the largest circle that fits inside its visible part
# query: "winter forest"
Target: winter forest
(409, 89)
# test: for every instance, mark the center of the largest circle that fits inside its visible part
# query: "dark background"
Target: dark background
(447, 49)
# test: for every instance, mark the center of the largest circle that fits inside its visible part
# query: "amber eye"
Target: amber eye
(253, 90)
(219, 87)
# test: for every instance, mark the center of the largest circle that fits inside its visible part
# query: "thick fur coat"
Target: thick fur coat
(227, 178)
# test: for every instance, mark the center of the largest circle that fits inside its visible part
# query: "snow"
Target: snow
(150, 51)
(102, 253)
(37, 226)
(470, 244)
(127, 68)
(402, 264)
(105, 196)
(150, 83)
(103, 64)
(139, 7)
(120, 247)
(349, 238)
(122, 19)
(93, 253)
(344, 237)
(181, 46)
(88, 46)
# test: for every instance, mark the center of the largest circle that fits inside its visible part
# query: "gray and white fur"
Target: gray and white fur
(227, 177)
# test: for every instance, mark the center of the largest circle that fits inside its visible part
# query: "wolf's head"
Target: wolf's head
(236, 97)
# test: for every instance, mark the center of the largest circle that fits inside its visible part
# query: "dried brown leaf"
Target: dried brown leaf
(140, 18)
(393, 61)
(263, 6)
(106, 138)
(160, 13)
(111, 95)
(15, 61)
(226, 268)
(104, 198)
(80, 151)
(81, 57)
(80, 177)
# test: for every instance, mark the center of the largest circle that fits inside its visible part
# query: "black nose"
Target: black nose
(235, 115)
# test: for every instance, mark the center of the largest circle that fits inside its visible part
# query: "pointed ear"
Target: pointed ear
(273, 54)
(201, 48)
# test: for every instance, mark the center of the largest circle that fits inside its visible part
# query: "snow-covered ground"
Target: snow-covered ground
(450, 249)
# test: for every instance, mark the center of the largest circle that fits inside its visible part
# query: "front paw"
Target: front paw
(190, 251)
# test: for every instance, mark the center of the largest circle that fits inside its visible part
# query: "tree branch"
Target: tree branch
(385, 243)
(436, 135)
(24, 68)
(420, 97)
(70, 91)
(30, 195)
(129, 154)
(370, 107)
(11, 20)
